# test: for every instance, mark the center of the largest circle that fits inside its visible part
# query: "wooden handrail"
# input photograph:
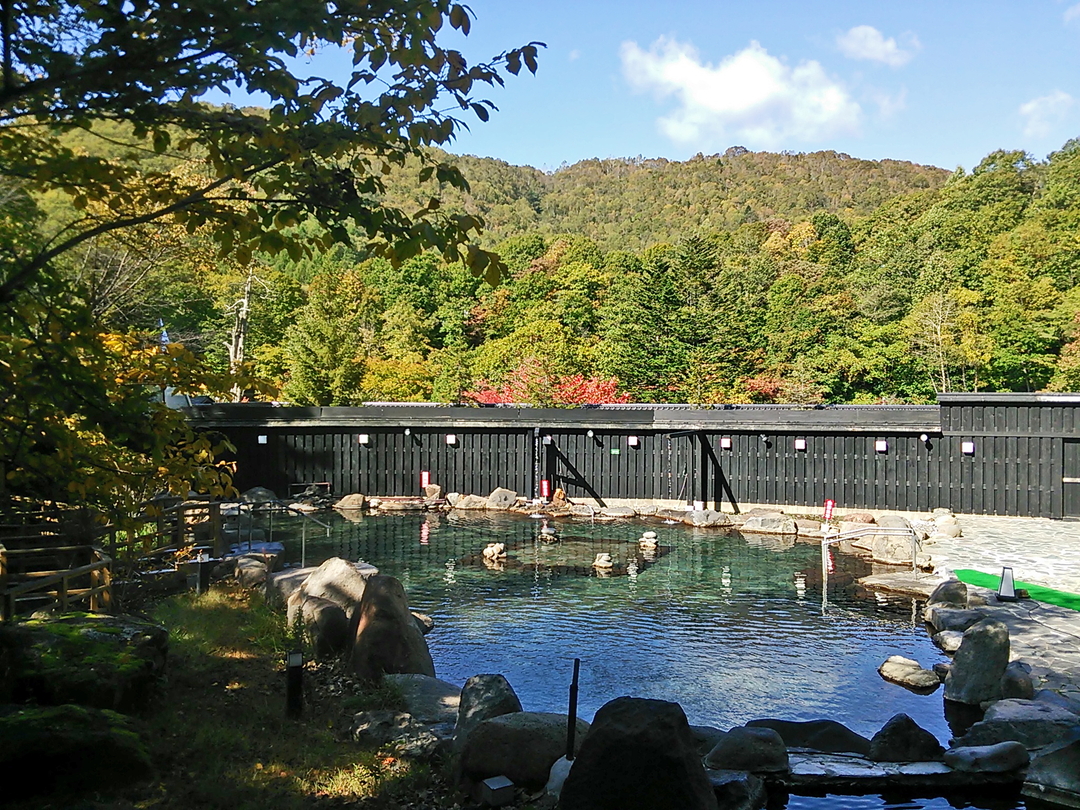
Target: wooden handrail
(99, 593)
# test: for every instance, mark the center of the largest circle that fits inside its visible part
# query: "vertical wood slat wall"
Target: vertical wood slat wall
(1016, 468)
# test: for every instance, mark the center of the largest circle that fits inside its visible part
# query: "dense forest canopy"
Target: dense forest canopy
(742, 277)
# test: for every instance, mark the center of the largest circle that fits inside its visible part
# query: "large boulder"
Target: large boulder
(951, 592)
(942, 618)
(470, 502)
(482, 698)
(908, 673)
(638, 755)
(1016, 682)
(354, 501)
(903, 740)
(978, 665)
(892, 549)
(428, 700)
(107, 662)
(324, 623)
(737, 790)
(339, 581)
(250, 571)
(68, 748)
(501, 498)
(1031, 722)
(827, 736)
(1054, 775)
(258, 495)
(770, 523)
(385, 636)
(755, 750)
(706, 518)
(280, 586)
(521, 746)
(1003, 757)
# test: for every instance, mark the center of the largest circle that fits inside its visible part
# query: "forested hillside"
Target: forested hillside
(635, 203)
(740, 277)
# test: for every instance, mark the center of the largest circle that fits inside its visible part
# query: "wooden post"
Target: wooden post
(215, 529)
(62, 594)
(95, 580)
(106, 595)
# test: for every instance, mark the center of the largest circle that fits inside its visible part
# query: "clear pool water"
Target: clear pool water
(731, 627)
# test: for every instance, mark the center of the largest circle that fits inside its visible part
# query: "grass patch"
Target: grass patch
(1038, 592)
(219, 738)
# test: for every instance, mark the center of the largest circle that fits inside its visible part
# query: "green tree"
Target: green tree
(328, 345)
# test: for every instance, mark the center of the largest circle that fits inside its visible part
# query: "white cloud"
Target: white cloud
(889, 105)
(1072, 13)
(750, 96)
(1042, 113)
(574, 55)
(866, 42)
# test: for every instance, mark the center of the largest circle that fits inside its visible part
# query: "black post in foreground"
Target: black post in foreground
(294, 684)
(571, 720)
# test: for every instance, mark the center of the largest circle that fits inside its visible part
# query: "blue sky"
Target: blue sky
(941, 83)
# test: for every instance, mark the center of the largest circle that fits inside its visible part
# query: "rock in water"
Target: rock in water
(639, 755)
(1031, 722)
(903, 740)
(1000, 758)
(909, 673)
(819, 735)
(386, 638)
(1055, 773)
(755, 750)
(980, 662)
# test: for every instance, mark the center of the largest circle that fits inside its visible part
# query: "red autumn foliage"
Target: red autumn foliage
(527, 384)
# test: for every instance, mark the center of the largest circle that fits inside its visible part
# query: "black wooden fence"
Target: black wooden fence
(1009, 454)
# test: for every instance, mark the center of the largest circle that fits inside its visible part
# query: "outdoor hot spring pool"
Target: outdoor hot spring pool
(731, 627)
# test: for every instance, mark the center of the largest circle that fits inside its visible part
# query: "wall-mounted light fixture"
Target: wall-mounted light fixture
(924, 437)
(725, 443)
(547, 440)
(632, 441)
(451, 438)
(363, 438)
(261, 439)
(881, 446)
(589, 433)
(967, 448)
(800, 444)
(408, 431)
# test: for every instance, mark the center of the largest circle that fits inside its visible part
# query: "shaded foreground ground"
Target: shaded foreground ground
(219, 737)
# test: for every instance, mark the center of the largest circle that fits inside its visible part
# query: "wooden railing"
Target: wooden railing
(58, 587)
(41, 564)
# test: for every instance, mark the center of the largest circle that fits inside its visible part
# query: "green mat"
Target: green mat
(1048, 595)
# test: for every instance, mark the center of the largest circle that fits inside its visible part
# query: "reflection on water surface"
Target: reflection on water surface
(732, 628)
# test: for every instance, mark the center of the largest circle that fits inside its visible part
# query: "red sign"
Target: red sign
(425, 478)
(829, 506)
(545, 488)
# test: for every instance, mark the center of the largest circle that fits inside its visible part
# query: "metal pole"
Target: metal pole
(571, 718)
